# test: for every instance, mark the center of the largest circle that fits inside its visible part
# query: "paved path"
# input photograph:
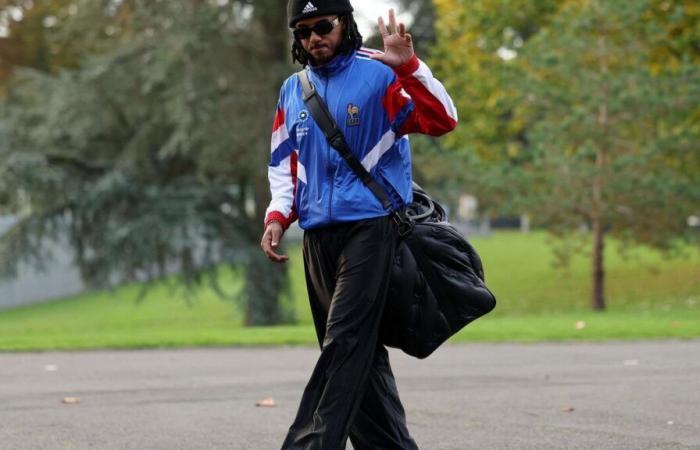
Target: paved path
(481, 396)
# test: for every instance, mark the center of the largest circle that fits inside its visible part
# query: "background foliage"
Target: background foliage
(140, 129)
(150, 150)
(583, 114)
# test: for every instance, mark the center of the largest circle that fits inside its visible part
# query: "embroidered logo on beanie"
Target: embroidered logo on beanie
(309, 8)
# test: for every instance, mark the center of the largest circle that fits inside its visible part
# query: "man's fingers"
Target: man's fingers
(270, 240)
(402, 29)
(272, 255)
(267, 237)
(392, 21)
(275, 236)
(382, 27)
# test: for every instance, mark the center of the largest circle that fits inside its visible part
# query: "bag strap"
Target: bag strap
(335, 137)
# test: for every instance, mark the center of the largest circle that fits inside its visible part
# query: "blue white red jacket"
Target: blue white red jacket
(375, 108)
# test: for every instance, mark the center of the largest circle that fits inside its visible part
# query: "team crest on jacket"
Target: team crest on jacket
(353, 115)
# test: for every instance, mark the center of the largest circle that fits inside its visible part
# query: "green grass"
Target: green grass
(649, 297)
(520, 271)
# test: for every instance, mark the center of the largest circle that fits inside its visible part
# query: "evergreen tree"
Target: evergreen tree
(152, 153)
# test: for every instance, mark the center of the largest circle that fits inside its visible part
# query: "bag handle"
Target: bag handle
(335, 137)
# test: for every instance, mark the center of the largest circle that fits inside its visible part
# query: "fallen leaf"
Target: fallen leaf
(567, 409)
(268, 402)
(580, 325)
(71, 400)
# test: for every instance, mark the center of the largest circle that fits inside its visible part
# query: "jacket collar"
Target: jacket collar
(333, 66)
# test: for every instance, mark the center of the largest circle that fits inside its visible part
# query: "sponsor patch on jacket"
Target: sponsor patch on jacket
(302, 132)
(302, 127)
(353, 115)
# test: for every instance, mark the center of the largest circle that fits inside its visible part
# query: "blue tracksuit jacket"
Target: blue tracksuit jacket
(375, 108)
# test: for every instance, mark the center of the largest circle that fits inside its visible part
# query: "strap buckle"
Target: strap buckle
(337, 139)
(404, 225)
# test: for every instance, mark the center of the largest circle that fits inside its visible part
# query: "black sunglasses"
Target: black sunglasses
(320, 28)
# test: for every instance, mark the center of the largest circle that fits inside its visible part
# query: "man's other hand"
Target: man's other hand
(271, 241)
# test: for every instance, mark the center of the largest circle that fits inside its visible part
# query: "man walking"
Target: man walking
(376, 98)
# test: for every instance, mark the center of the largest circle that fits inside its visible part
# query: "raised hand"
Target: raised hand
(398, 45)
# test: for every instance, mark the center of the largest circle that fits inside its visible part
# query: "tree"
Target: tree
(27, 25)
(600, 154)
(576, 122)
(152, 153)
(473, 56)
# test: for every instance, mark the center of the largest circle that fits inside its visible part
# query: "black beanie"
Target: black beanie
(303, 9)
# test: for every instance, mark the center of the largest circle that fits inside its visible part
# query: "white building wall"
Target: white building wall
(60, 279)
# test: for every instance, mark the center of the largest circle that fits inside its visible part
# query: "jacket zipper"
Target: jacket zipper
(331, 180)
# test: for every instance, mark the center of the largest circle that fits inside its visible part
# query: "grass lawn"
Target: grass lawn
(648, 296)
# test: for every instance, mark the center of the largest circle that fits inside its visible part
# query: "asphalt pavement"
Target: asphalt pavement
(619, 395)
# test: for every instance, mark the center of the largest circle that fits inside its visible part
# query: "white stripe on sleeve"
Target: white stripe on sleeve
(278, 137)
(281, 188)
(435, 87)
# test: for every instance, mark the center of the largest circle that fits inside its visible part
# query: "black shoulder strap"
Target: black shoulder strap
(335, 137)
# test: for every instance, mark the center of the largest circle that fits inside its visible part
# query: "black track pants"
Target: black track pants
(352, 389)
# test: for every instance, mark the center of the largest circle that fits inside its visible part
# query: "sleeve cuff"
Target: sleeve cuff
(276, 216)
(407, 68)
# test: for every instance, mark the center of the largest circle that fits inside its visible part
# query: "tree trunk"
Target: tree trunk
(597, 221)
(598, 297)
(266, 282)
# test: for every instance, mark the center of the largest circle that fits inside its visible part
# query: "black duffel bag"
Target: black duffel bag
(437, 282)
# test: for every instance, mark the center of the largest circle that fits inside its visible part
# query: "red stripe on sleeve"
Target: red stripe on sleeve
(293, 169)
(394, 101)
(279, 119)
(293, 166)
